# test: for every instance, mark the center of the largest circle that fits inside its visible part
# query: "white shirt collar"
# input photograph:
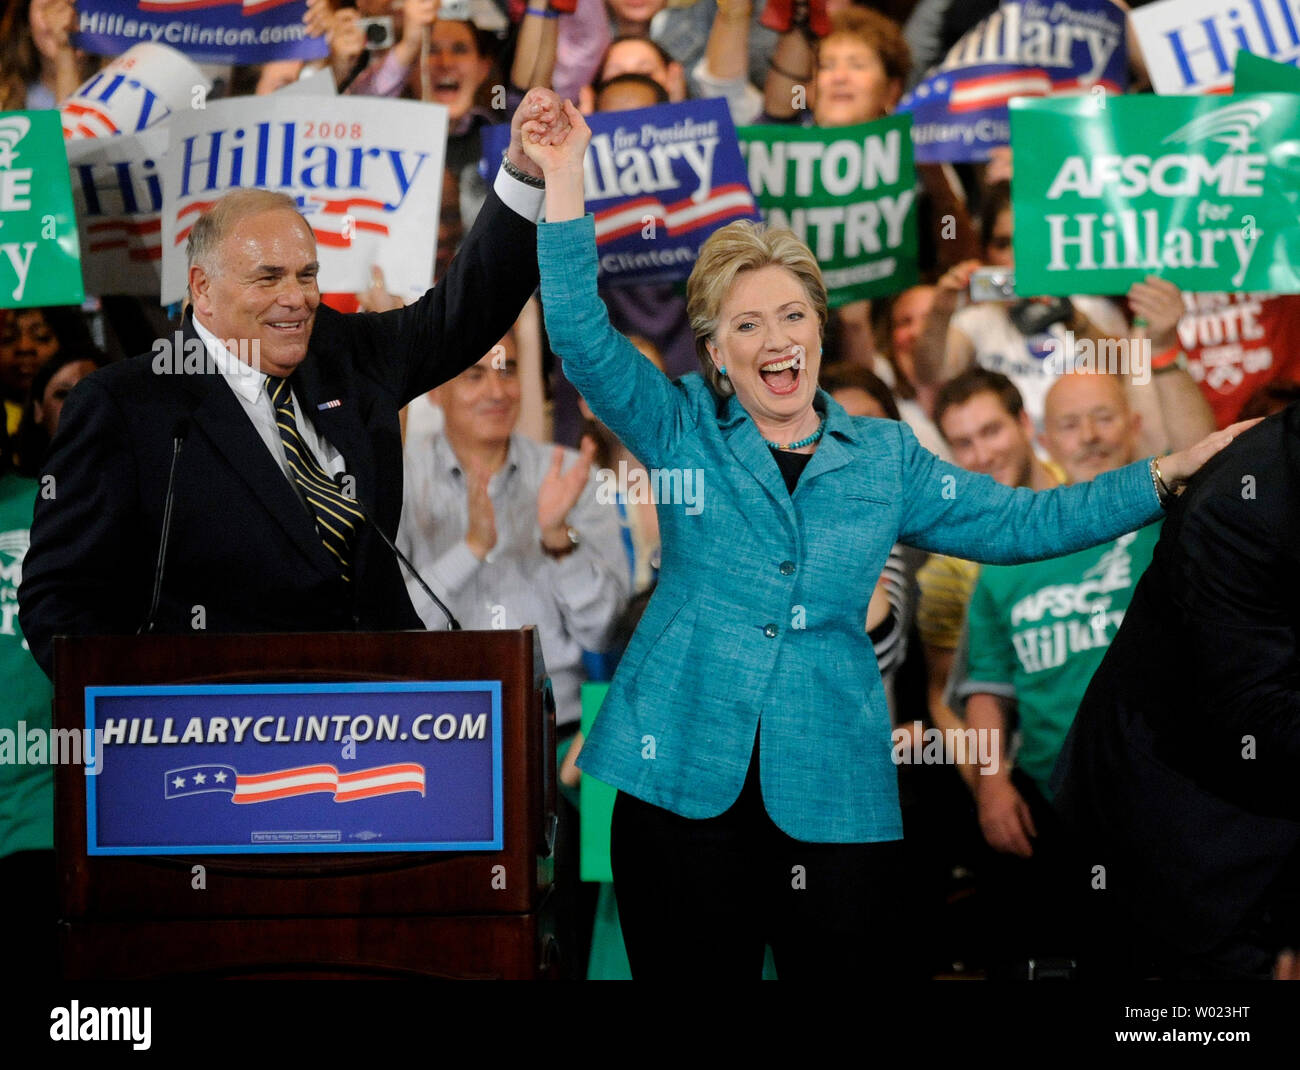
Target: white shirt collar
(245, 380)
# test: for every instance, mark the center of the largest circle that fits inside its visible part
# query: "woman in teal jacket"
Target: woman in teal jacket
(746, 728)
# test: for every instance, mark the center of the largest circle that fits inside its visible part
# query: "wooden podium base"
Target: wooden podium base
(512, 947)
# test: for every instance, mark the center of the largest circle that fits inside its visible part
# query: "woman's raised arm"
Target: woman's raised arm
(626, 392)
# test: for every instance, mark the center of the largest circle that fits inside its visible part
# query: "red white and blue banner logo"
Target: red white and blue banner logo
(211, 31)
(1033, 48)
(292, 768)
(366, 173)
(659, 181)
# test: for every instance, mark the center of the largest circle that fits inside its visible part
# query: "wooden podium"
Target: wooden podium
(477, 914)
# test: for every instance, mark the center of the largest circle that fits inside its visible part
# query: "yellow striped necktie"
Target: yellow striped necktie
(337, 516)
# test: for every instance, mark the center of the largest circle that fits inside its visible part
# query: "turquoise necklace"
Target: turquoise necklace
(814, 437)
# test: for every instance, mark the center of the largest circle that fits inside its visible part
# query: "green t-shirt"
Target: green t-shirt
(1038, 632)
(26, 791)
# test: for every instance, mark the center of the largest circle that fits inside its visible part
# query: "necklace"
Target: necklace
(815, 436)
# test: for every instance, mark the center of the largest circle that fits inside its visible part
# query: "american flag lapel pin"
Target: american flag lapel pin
(329, 404)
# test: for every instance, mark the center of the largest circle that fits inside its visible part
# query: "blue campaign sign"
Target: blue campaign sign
(210, 31)
(294, 768)
(659, 181)
(1025, 48)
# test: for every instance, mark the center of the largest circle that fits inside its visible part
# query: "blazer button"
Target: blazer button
(770, 631)
(787, 568)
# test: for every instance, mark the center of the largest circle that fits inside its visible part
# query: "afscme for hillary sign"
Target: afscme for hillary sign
(1024, 48)
(1200, 190)
(659, 181)
(366, 173)
(212, 31)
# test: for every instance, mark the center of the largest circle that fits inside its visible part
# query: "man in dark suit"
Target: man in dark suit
(287, 419)
(1181, 771)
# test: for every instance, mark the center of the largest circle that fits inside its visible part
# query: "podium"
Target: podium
(343, 904)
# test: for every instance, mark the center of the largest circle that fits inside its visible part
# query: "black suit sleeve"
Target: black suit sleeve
(83, 572)
(411, 350)
(1238, 573)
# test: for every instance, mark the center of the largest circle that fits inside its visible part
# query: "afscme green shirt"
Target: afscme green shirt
(1038, 631)
(26, 791)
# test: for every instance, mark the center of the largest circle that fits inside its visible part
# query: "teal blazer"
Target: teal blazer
(757, 623)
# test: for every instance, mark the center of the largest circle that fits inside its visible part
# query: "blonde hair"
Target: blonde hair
(215, 224)
(737, 247)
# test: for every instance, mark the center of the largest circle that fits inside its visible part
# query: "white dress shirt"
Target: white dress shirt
(574, 600)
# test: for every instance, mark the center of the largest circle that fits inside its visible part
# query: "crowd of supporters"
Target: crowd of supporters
(509, 447)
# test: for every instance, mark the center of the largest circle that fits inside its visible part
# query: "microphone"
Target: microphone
(452, 623)
(180, 431)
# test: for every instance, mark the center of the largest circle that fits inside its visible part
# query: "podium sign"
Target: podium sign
(295, 768)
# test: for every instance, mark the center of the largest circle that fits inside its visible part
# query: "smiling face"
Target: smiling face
(985, 437)
(456, 67)
(481, 405)
(851, 83)
(1088, 427)
(261, 287)
(906, 321)
(769, 340)
(26, 342)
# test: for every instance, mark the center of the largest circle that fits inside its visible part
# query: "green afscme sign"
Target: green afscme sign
(1204, 191)
(848, 192)
(40, 259)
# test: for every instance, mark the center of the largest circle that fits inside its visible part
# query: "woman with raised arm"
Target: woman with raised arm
(746, 729)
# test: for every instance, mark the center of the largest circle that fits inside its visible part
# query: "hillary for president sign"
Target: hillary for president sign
(212, 31)
(1200, 190)
(295, 768)
(848, 192)
(365, 172)
(1025, 48)
(659, 181)
(39, 252)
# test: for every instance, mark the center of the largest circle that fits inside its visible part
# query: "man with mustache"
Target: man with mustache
(1038, 631)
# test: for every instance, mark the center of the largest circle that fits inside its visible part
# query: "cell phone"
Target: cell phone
(378, 32)
(992, 284)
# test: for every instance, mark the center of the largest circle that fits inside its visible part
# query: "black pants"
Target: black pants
(702, 898)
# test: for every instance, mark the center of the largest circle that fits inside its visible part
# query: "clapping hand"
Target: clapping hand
(560, 492)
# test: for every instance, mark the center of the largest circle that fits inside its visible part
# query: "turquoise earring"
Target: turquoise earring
(722, 370)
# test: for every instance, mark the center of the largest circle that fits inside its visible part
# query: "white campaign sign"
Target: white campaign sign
(117, 193)
(142, 88)
(366, 173)
(1190, 46)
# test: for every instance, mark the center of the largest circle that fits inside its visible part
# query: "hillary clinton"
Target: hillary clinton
(746, 728)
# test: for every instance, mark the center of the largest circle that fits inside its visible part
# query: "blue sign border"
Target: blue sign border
(492, 687)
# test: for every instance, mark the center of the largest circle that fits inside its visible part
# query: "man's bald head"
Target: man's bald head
(1088, 426)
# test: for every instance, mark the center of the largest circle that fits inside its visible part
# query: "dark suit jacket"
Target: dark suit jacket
(244, 554)
(1154, 774)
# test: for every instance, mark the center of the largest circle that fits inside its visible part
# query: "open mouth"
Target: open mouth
(446, 86)
(288, 327)
(782, 376)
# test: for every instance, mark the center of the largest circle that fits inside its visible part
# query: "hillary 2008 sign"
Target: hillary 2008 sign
(365, 172)
(295, 768)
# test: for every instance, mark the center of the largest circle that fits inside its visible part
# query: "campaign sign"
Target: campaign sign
(659, 181)
(295, 768)
(212, 31)
(137, 91)
(1255, 74)
(1189, 45)
(1202, 190)
(39, 252)
(1025, 48)
(117, 191)
(848, 192)
(365, 172)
